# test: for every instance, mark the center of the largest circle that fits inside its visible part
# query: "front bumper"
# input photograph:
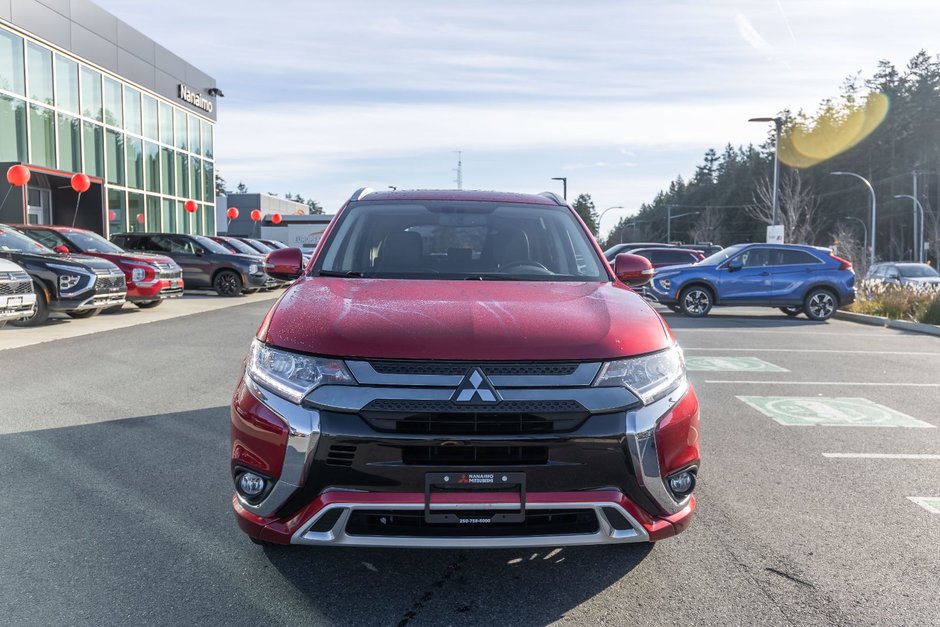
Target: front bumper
(158, 290)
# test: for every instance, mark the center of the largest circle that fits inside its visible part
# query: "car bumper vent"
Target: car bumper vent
(341, 455)
(548, 522)
(474, 455)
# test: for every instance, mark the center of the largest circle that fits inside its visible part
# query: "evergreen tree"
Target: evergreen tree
(585, 208)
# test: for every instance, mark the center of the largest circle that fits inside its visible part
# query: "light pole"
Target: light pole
(564, 185)
(918, 241)
(600, 218)
(864, 230)
(778, 124)
(670, 218)
(874, 209)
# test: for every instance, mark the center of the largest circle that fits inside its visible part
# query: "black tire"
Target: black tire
(793, 312)
(675, 308)
(227, 283)
(112, 309)
(149, 304)
(820, 304)
(696, 301)
(40, 314)
(84, 313)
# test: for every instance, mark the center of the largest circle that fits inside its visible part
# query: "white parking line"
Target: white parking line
(805, 350)
(880, 456)
(845, 383)
(929, 503)
(774, 331)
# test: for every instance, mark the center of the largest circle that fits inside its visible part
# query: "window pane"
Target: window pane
(115, 154)
(182, 175)
(153, 214)
(66, 84)
(132, 110)
(208, 212)
(12, 72)
(12, 128)
(149, 110)
(113, 108)
(166, 124)
(135, 162)
(70, 153)
(91, 94)
(168, 170)
(93, 149)
(39, 67)
(209, 189)
(196, 179)
(135, 212)
(152, 166)
(169, 216)
(117, 211)
(207, 140)
(194, 135)
(179, 119)
(42, 136)
(182, 219)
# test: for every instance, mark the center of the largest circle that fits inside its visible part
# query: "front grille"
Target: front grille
(108, 282)
(474, 455)
(169, 271)
(11, 288)
(411, 523)
(15, 275)
(503, 407)
(459, 368)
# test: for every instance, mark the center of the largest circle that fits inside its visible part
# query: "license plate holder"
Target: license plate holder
(476, 481)
(14, 301)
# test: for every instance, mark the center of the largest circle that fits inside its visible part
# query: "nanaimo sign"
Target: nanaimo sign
(195, 98)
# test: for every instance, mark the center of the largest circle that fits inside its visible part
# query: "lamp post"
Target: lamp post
(864, 230)
(778, 124)
(600, 218)
(874, 209)
(918, 237)
(564, 185)
(670, 218)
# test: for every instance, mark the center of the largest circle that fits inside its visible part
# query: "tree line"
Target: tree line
(313, 207)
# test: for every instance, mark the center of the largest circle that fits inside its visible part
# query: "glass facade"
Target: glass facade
(60, 113)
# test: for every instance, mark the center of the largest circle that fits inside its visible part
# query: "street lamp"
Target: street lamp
(564, 185)
(864, 230)
(874, 209)
(778, 124)
(918, 241)
(603, 213)
(670, 218)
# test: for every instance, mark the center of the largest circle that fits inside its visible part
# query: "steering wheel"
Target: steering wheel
(524, 263)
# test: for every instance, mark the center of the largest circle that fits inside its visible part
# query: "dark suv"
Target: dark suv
(78, 285)
(206, 264)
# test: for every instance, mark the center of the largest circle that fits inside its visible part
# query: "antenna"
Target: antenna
(459, 169)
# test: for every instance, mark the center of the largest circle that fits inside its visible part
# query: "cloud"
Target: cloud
(750, 35)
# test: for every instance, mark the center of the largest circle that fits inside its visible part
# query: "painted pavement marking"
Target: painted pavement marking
(730, 364)
(842, 383)
(929, 503)
(805, 350)
(830, 412)
(880, 456)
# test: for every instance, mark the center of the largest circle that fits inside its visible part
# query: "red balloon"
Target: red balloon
(276, 218)
(140, 218)
(190, 206)
(255, 215)
(112, 215)
(80, 182)
(18, 175)
(232, 213)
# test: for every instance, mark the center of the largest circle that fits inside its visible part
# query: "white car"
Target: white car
(17, 298)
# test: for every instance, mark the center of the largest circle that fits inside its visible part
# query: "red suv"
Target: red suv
(462, 369)
(150, 278)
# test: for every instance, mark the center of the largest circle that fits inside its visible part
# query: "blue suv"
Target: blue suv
(797, 279)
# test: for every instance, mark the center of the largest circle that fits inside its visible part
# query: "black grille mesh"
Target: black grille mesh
(503, 407)
(459, 368)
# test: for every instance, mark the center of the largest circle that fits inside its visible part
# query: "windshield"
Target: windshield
(11, 240)
(259, 247)
(721, 255)
(210, 245)
(87, 242)
(238, 246)
(917, 271)
(461, 240)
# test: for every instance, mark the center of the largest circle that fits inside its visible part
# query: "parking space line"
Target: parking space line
(792, 411)
(845, 383)
(880, 456)
(730, 364)
(806, 350)
(929, 503)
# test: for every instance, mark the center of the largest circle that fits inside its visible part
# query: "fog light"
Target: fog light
(682, 483)
(250, 484)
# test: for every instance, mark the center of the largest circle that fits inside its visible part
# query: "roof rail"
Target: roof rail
(553, 196)
(359, 193)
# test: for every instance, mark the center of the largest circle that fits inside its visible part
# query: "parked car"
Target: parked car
(206, 264)
(902, 273)
(273, 243)
(419, 385)
(78, 285)
(150, 278)
(661, 257)
(625, 247)
(257, 244)
(794, 278)
(706, 248)
(235, 245)
(17, 297)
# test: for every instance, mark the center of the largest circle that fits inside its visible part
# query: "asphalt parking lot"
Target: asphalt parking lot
(819, 498)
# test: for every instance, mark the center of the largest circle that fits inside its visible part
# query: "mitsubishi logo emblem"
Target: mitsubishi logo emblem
(475, 387)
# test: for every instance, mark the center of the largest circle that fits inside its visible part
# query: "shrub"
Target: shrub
(932, 314)
(898, 302)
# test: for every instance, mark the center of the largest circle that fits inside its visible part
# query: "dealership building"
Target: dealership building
(81, 91)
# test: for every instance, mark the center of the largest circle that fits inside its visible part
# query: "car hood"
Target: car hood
(134, 257)
(85, 261)
(676, 269)
(463, 320)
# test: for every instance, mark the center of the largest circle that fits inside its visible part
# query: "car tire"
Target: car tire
(40, 313)
(820, 304)
(113, 309)
(149, 304)
(227, 283)
(675, 308)
(696, 301)
(793, 312)
(84, 313)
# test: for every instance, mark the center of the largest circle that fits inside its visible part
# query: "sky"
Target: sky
(322, 98)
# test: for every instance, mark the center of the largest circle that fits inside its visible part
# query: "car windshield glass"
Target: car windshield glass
(722, 255)
(11, 240)
(239, 246)
(209, 245)
(274, 244)
(259, 247)
(461, 240)
(87, 242)
(917, 271)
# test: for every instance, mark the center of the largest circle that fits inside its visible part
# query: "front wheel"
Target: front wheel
(820, 304)
(695, 301)
(793, 312)
(40, 313)
(148, 304)
(227, 283)
(84, 313)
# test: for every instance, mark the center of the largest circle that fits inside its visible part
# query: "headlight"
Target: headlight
(68, 281)
(138, 274)
(253, 269)
(292, 375)
(649, 377)
(664, 283)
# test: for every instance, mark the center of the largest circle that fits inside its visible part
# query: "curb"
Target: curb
(878, 321)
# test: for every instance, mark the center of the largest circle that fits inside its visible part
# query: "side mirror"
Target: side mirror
(284, 264)
(62, 250)
(633, 269)
(734, 265)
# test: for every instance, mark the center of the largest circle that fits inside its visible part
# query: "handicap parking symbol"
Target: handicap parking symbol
(830, 412)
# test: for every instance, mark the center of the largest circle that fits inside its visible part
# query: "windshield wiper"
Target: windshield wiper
(489, 277)
(342, 273)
